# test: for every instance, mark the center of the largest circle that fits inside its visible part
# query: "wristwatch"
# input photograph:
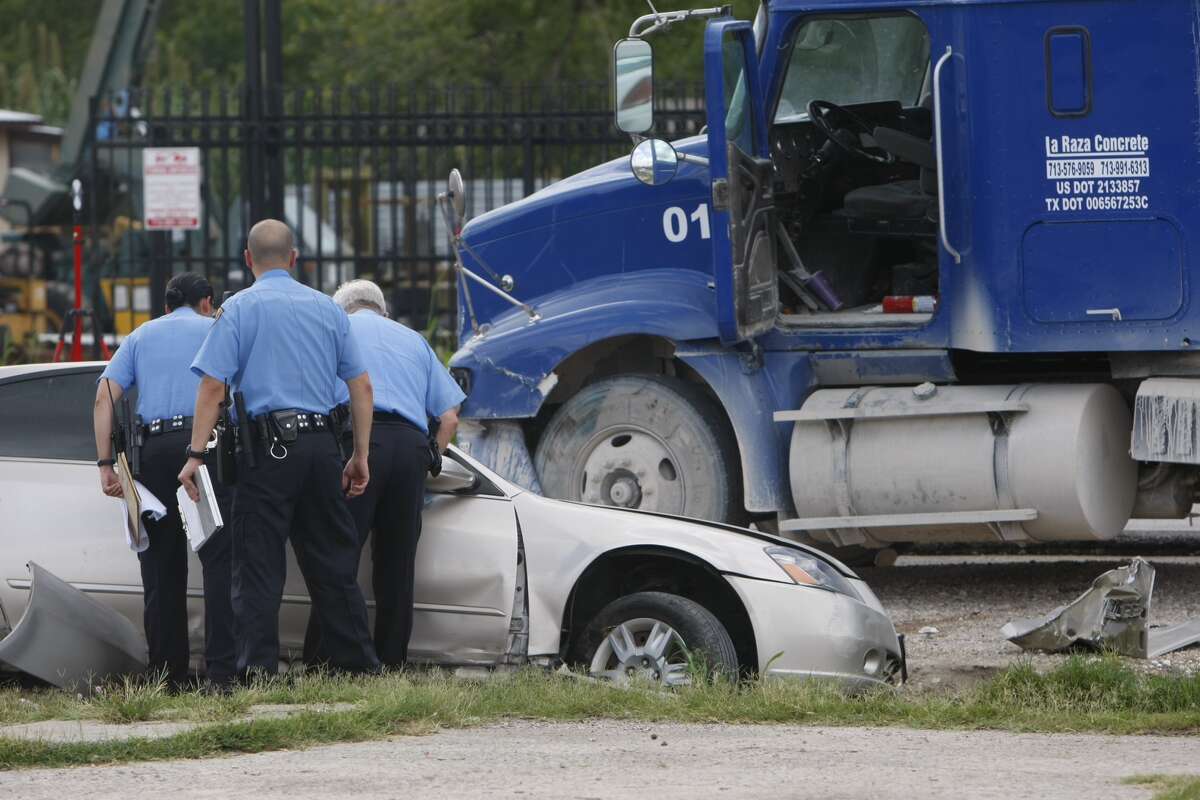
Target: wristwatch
(193, 453)
(106, 462)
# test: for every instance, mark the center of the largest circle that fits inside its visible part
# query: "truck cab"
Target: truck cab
(925, 276)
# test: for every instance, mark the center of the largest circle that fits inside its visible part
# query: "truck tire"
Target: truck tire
(656, 636)
(642, 441)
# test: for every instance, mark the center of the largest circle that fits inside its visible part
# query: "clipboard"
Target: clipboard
(131, 496)
(202, 519)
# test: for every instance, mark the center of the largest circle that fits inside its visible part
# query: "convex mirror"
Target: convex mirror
(458, 197)
(654, 162)
(633, 85)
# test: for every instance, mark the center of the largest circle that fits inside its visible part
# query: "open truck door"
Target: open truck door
(742, 217)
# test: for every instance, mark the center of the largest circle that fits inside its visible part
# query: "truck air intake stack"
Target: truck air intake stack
(1041, 462)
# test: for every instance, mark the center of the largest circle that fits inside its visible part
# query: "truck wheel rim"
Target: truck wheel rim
(630, 467)
(642, 649)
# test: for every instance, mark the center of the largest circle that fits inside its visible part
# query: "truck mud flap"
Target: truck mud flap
(69, 639)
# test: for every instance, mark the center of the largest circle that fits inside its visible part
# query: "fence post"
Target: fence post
(252, 110)
(160, 268)
(273, 95)
(527, 130)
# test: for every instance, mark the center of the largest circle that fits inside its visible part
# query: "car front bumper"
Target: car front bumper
(805, 632)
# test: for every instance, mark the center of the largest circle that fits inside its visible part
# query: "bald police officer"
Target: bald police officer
(156, 359)
(411, 386)
(287, 348)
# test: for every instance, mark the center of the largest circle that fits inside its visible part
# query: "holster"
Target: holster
(342, 427)
(226, 449)
(435, 452)
(245, 438)
(134, 438)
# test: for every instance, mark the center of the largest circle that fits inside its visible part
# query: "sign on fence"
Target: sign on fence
(171, 187)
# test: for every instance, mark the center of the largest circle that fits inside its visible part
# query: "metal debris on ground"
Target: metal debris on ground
(1114, 614)
(69, 639)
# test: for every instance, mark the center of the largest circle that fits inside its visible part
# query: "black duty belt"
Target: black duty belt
(388, 418)
(286, 424)
(156, 427)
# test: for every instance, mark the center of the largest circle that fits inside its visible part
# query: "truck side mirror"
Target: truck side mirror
(458, 198)
(654, 162)
(633, 85)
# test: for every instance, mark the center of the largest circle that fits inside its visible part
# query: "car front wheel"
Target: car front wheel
(656, 637)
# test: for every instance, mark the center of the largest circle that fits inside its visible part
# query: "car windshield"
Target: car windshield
(854, 60)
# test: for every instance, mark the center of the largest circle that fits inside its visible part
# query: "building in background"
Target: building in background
(25, 141)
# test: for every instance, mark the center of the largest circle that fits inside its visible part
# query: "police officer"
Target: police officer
(410, 385)
(156, 358)
(287, 347)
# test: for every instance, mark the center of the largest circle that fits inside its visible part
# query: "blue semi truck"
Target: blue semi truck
(927, 275)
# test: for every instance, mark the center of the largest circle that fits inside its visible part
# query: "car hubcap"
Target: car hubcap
(631, 468)
(645, 649)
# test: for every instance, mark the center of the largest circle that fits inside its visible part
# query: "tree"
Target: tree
(340, 42)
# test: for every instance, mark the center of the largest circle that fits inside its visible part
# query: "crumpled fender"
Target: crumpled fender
(69, 639)
(513, 361)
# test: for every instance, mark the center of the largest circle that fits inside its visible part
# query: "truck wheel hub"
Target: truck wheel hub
(624, 491)
(630, 468)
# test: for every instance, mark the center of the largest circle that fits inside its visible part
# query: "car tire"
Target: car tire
(642, 441)
(643, 616)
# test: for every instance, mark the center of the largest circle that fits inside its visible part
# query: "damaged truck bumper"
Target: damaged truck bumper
(69, 639)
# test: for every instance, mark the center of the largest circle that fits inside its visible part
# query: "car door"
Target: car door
(743, 239)
(51, 508)
(466, 574)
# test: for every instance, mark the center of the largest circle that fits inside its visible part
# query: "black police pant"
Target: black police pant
(391, 506)
(299, 497)
(165, 571)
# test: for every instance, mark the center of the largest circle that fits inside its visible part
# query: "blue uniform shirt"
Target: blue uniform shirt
(156, 358)
(405, 372)
(283, 345)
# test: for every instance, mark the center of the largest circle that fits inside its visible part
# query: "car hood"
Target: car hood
(727, 548)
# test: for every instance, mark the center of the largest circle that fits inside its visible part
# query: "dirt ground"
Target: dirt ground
(619, 759)
(968, 598)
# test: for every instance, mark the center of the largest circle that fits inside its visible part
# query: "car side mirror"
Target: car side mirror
(633, 85)
(453, 479)
(654, 162)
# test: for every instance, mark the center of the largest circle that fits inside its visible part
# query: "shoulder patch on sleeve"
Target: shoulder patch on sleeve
(217, 315)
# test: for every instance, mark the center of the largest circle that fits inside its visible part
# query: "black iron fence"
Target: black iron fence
(355, 171)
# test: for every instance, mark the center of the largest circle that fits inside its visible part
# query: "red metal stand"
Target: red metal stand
(77, 342)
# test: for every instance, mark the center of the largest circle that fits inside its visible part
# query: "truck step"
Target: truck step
(910, 520)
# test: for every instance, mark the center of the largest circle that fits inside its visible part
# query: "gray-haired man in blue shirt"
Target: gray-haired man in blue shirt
(411, 387)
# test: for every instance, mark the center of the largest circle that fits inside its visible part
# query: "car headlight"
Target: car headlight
(809, 570)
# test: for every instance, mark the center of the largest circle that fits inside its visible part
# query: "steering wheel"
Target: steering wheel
(848, 134)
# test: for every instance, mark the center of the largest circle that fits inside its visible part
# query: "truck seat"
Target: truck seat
(901, 200)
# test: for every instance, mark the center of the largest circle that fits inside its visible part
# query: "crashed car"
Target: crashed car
(504, 577)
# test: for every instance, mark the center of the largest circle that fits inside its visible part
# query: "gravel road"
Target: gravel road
(615, 759)
(968, 598)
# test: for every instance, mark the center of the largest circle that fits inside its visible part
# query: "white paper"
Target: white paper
(200, 520)
(153, 508)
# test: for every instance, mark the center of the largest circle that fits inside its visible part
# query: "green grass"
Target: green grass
(1085, 694)
(1169, 787)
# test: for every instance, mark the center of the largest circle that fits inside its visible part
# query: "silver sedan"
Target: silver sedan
(504, 577)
